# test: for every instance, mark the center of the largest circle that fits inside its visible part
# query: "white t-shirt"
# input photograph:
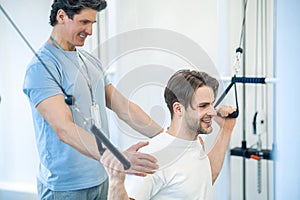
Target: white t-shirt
(184, 171)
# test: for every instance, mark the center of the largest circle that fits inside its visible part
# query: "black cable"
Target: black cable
(69, 99)
(243, 28)
(235, 114)
(238, 79)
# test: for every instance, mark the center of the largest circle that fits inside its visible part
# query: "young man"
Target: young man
(69, 157)
(186, 171)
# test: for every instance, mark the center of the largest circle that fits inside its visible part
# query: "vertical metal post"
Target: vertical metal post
(274, 146)
(244, 144)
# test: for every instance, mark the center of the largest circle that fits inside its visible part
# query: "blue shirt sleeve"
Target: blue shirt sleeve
(39, 84)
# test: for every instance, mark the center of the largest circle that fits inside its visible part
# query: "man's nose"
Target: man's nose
(89, 29)
(211, 111)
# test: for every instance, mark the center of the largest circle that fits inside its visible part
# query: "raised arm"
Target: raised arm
(116, 174)
(217, 154)
(131, 113)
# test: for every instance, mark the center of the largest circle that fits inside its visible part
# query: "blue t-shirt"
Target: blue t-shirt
(62, 167)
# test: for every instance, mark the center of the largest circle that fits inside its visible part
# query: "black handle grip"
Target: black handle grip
(100, 135)
(254, 80)
(235, 114)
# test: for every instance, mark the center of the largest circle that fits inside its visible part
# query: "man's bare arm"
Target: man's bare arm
(55, 111)
(131, 113)
(217, 154)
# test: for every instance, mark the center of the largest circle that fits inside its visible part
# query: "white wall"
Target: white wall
(18, 155)
(193, 22)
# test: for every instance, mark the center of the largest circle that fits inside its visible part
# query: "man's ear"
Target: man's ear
(61, 16)
(178, 109)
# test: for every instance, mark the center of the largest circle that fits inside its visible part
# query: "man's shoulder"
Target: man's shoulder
(156, 143)
(47, 55)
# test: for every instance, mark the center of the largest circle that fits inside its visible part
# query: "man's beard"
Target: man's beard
(201, 130)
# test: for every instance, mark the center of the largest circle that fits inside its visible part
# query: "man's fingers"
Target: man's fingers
(141, 159)
(146, 158)
(112, 166)
(137, 146)
(224, 111)
(147, 161)
(134, 172)
(141, 163)
(139, 170)
(222, 118)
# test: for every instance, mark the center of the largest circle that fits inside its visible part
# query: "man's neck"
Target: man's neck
(177, 130)
(58, 37)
